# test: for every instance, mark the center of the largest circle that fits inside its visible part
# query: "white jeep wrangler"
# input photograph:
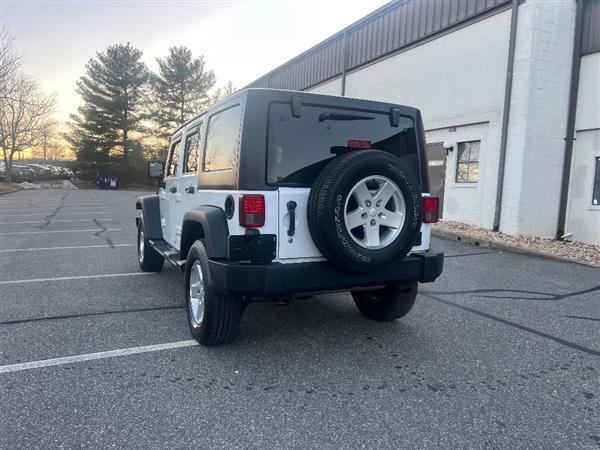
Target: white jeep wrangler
(274, 194)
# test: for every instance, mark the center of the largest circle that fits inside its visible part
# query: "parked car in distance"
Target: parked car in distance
(42, 172)
(19, 174)
(273, 194)
(23, 173)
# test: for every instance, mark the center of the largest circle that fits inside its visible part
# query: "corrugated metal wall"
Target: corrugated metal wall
(591, 27)
(389, 29)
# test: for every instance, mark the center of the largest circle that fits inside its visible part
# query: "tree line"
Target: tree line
(128, 112)
(25, 111)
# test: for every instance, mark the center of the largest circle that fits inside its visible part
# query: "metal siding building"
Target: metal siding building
(511, 84)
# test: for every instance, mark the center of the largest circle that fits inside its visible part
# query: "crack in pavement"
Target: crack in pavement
(583, 318)
(103, 229)
(467, 254)
(511, 324)
(101, 313)
(48, 218)
(547, 295)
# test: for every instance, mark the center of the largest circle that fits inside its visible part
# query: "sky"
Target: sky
(241, 40)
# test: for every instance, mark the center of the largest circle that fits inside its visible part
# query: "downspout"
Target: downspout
(570, 136)
(344, 62)
(506, 113)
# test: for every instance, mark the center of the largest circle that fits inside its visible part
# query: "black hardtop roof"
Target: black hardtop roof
(270, 95)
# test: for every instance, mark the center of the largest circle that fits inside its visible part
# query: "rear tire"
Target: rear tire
(387, 304)
(213, 317)
(148, 258)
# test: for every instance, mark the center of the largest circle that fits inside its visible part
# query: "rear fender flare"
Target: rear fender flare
(208, 223)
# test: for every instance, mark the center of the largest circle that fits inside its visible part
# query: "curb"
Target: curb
(486, 243)
(12, 191)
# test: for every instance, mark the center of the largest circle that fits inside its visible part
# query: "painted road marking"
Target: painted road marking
(54, 220)
(94, 356)
(60, 231)
(77, 277)
(59, 212)
(53, 210)
(75, 247)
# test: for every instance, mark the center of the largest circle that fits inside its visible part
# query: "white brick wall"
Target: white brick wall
(333, 87)
(455, 80)
(583, 218)
(458, 81)
(538, 117)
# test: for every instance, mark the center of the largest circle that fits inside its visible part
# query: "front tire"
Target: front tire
(213, 317)
(148, 258)
(387, 304)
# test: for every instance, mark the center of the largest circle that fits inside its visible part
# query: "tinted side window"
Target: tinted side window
(192, 153)
(222, 139)
(173, 162)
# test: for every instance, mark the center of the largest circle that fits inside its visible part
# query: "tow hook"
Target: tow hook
(291, 207)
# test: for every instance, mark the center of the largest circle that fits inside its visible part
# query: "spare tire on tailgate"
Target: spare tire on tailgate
(364, 210)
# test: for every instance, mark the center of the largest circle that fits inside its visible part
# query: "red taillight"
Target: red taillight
(252, 211)
(357, 143)
(431, 207)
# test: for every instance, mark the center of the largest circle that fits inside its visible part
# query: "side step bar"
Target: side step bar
(169, 253)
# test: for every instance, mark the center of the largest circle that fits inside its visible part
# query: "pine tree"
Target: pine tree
(113, 94)
(180, 88)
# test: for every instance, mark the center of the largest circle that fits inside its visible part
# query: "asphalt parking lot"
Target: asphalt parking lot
(502, 351)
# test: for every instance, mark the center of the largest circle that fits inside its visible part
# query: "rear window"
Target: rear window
(299, 147)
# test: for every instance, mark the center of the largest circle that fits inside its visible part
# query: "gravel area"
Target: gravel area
(571, 250)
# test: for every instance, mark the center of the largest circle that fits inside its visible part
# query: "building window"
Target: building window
(596, 193)
(467, 165)
(222, 139)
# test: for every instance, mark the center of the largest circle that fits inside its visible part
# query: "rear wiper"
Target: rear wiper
(339, 116)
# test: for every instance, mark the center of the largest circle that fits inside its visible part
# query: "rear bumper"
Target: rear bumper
(277, 279)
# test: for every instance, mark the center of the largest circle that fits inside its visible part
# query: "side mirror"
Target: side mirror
(156, 169)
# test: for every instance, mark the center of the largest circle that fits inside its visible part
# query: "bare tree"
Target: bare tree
(222, 93)
(23, 114)
(10, 64)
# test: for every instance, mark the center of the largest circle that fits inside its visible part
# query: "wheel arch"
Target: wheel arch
(150, 206)
(208, 223)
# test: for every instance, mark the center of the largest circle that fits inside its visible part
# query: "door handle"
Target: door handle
(291, 207)
(173, 189)
(190, 189)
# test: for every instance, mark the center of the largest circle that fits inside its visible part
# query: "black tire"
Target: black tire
(222, 313)
(148, 258)
(389, 303)
(327, 203)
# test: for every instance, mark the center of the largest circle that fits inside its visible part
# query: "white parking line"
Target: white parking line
(93, 356)
(55, 220)
(60, 212)
(53, 210)
(60, 231)
(75, 247)
(78, 277)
